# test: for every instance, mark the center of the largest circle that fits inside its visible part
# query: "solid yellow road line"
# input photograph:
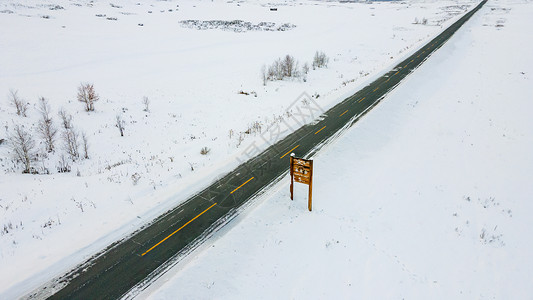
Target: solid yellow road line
(289, 152)
(376, 89)
(343, 113)
(240, 186)
(361, 99)
(320, 129)
(178, 229)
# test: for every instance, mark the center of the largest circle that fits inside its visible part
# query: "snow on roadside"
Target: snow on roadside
(427, 197)
(192, 79)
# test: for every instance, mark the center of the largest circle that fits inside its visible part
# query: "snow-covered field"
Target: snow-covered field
(429, 196)
(192, 78)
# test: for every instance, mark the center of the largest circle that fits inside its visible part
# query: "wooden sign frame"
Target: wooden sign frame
(301, 170)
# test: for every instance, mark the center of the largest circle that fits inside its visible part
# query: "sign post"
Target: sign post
(301, 170)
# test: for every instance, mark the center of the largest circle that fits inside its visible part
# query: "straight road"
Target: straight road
(141, 256)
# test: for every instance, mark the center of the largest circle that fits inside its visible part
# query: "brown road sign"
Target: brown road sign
(302, 171)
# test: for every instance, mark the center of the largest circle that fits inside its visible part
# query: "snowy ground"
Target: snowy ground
(429, 196)
(192, 78)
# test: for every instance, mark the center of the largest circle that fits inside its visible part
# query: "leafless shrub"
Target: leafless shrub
(66, 119)
(64, 165)
(20, 105)
(71, 143)
(87, 95)
(85, 145)
(23, 147)
(305, 69)
(120, 124)
(264, 75)
(204, 151)
(320, 60)
(146, 103)
(280, 69)
(46, 126)
(289, 66)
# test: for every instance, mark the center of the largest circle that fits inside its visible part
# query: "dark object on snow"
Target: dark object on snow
(273, 9)
(2, 141)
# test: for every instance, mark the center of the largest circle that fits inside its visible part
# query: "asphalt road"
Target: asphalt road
(141, 256)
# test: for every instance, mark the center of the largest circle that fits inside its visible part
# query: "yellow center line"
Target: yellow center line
(423, 51)
(320, 129)
(406, 65)
(361, 99)
(343, 113)
(412, 60)
(418, 55)
(396, 73)
(376, 89)
(289, 152)
(178, 230)
(240, 186)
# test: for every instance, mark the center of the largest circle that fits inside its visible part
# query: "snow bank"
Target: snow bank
(427, 197)
(193, 78)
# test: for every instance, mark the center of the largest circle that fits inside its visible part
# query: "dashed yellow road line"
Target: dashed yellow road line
(289, 152)
(412, 60)
(343, 113)
(376, 89)
(361, 99)
(405, 66)
(240, 186)
(178, 229)
(320, 129)
(396, 73)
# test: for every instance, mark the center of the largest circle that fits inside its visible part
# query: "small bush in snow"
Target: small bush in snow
(87, 95)
(20, 105)
(23, 147)
(280, 69)
(66, 119)
(204, 151)
(64, 166)
(120, 124)
(320, 60)
(146, 103)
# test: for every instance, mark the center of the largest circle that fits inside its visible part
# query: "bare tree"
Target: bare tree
(278, 69)
(46, 126)
(23, 147)
(20, 105)
(66, 119)
(288, 65)
(320, 60)
(87, 95)
(85, 145)
(146, 103)
(120, 124)
(71, 143)
(305, 69)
